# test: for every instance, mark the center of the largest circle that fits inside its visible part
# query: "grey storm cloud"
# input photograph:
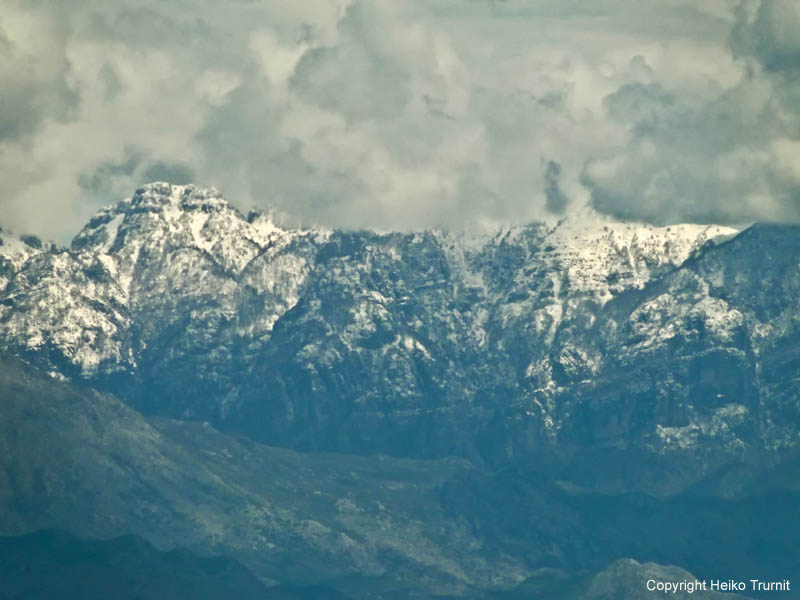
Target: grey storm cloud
(33, 89)
(403, 113)
(728, 154)
(770, 32)
(555, 200)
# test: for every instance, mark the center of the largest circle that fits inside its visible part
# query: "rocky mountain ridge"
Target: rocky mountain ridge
(545, 343)
(145, 239)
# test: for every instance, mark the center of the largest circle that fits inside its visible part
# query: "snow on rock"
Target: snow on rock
(147, 252)
(431, 343)
(169, 247)
(175, 285)
(603, 257)
(15, 250)
(66, 307)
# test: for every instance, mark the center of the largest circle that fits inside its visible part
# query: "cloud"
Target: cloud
(33, 72)
(556, 201)
(403, 114)
(725, 154)
(769, 31)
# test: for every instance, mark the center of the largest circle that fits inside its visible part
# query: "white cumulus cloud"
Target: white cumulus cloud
(403, 114)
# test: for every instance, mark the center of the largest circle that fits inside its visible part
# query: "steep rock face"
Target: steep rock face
(695, 371)
(536, 343)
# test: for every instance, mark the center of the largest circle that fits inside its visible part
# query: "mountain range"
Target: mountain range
(458, 413)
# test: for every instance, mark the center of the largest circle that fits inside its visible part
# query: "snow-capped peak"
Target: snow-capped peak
(162, 216)
(601, 254)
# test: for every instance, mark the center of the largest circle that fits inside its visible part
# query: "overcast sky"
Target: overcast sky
(400, 114)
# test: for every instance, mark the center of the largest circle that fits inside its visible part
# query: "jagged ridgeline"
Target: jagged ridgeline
(626, 357)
